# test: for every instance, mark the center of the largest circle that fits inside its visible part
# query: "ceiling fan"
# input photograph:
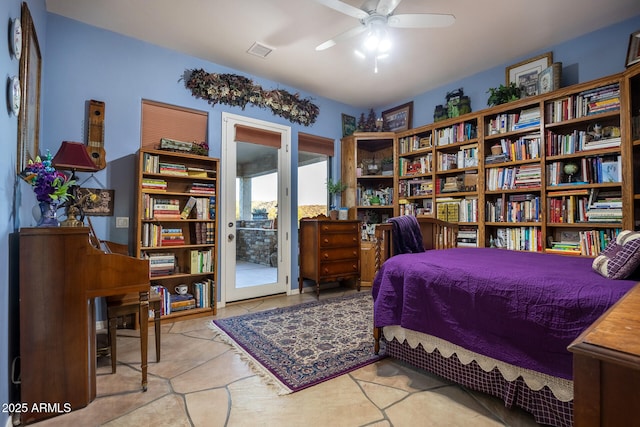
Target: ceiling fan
(375, 16)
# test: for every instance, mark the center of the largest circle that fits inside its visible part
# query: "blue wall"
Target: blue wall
(81, 62)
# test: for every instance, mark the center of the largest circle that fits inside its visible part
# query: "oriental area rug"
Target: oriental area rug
(296, 347)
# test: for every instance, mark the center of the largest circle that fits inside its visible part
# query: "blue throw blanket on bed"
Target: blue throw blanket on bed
(407, 237)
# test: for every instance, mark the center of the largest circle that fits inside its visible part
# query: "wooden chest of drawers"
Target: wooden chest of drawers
(329, 251)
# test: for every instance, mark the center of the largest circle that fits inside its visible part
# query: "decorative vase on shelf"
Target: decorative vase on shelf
(48, 215)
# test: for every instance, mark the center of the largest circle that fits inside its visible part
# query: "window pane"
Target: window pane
(312, 184)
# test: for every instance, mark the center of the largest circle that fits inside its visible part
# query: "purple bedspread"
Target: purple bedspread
(522, 308)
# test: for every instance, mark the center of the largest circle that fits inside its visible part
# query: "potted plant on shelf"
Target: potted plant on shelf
(387, 166)
(503, 94)
(334, 188)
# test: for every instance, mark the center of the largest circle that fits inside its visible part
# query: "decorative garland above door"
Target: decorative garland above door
(235, 90)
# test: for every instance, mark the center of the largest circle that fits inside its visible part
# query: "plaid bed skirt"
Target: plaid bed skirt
(542, 404)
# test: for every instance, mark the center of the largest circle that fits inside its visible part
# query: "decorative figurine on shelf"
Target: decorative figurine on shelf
(570, 169)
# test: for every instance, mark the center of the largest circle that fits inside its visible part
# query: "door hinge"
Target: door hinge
(286, 280)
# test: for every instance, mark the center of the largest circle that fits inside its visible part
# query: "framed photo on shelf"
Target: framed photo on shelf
(29, 115)
(525, 74)
(398, 118)
(348, 125)
(633, 52)
(549, 78)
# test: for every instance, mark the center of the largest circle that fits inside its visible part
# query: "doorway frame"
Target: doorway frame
(227, 195)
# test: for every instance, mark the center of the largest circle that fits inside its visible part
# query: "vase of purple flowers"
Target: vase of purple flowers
(50, 186)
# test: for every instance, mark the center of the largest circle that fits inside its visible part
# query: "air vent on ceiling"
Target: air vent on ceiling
(260, 50)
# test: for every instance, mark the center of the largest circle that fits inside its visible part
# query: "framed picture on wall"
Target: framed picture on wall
(101, 206)
(29, 115)
(525, 74)
(398, 118)
(633, 52)
(348, 125)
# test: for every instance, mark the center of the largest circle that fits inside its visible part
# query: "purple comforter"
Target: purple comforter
(522, 308)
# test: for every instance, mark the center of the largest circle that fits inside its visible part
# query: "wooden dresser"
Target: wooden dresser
(329, 251)
(606, 367)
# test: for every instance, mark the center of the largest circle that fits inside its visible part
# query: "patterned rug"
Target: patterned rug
(297, 347)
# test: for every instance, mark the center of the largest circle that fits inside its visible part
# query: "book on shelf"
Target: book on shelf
(177, 169)
(188, 207)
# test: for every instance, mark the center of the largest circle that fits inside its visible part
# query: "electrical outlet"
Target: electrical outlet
(122, 222)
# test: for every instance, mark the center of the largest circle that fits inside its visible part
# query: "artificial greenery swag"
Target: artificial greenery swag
(235, 90)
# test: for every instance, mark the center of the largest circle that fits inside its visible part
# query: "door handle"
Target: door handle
(230, 237)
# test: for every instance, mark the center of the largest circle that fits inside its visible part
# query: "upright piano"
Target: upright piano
(60, 275)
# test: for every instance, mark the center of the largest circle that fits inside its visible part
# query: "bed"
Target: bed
(493, 320)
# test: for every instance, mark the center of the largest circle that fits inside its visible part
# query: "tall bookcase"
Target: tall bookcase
(631, 126)
(176, 228)
(557, 172)
(368, 170)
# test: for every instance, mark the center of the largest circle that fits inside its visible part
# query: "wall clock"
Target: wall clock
(14, 95)
(16, 38)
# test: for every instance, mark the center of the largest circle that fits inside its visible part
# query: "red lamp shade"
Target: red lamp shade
(73, 156)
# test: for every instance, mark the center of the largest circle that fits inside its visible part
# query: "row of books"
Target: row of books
(201, 261)
(458, 132)
(169, 209)
(509, 122)
(154, 184)
(584, 205)
(425, 207)
(525, 147)
(200, 296)
(448, 209)
(515, 177)
(416, 166)
(584, 243)
(577, 141)
(466, 157)
(156, 235)
(517, 238)
(415, 187)
(199, 208)
(161, 264)
(467, 237)
(409, 144)
(514, 208)
(589, 102)
(592, 170)
(203, 188)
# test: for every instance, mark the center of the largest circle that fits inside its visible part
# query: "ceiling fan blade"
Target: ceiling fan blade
(421, 20)
(344, 8)
(340, 37)
(385, 7)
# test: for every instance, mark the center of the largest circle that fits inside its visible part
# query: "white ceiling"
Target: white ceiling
(486, 33)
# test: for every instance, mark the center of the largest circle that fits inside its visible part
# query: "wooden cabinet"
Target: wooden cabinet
(606, 367)
(329, 251)
(176, 227)
(368, 170)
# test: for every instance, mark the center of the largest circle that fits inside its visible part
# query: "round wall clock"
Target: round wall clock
(14, 95)
(16, 38)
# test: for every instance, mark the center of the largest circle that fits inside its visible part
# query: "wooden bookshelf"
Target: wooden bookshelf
(538, 149)
(187, 253)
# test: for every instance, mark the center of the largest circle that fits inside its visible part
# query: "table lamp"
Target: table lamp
(73, 156)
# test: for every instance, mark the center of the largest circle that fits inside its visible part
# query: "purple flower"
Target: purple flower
(50, 185)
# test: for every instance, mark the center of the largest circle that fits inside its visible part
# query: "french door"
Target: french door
(255, 201)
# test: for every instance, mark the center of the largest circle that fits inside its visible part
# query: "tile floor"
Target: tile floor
(200, 381)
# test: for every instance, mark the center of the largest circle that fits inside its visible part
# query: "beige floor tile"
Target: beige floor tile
(394, 374)
(381, 395)
(169, 411)
(208, 408)
(336, 403)
(447, 406)
(217, 372)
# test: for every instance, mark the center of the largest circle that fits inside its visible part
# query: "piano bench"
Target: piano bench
(123, 305)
